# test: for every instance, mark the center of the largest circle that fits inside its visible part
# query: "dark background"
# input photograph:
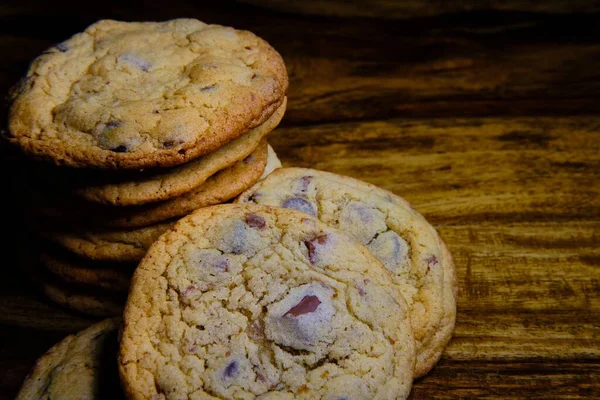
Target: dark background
(484, 114)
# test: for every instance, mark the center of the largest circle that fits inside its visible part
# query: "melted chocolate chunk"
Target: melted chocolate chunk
(254, 197)
(209, 88)
(141, 64)
(307, 305)
(431, 262)
(304, 182)
(112, 125)
(231, 370)
(312, 245)
(300, 204)
(120, 149)
(255, 221)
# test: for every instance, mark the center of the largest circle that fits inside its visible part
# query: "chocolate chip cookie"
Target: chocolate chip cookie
(392, 230)
(107, 245)
(167, 183)
(245, 301)
(219, 188)
(88, 274)
(131, 95)
(82, 366)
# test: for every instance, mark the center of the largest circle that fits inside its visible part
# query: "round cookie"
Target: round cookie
(89, 274)
(165, 184)
(81, 366)
(145, 94)
(90, 302)
(392, 230)
(219, 188)
(245, 301)
(108, 245)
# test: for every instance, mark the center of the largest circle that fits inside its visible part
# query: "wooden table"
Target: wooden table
(487, 121)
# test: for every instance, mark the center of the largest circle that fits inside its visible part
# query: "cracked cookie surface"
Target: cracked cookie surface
(392, 230)
(244, 301)
(168, 183)
(81, 366)
(145, 94)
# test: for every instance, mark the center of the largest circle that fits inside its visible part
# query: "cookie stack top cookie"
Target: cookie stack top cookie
(138, 95)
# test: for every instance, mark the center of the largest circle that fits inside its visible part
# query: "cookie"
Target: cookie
(87, 274)
(240, 301)
(108, 245)
(392, 230)
(273, 162)
(86, 301)
(165, 184)
(81, 366)
(219, 188)
(132, 95)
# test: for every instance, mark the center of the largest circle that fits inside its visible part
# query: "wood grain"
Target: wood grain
(484, 115)
(403, 9)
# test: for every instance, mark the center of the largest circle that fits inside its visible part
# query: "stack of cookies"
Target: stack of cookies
(127, 127)
(311, 286)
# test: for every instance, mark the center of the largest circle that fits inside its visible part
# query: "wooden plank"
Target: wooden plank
(533, 380)
(399, 9)
(458, 170)
(508, 335)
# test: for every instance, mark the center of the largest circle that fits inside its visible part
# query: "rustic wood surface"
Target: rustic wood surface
(487, 119)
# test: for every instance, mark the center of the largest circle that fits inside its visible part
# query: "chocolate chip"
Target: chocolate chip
(391, 250)
(141, 64)
(304, 182)
(307, 305)
(255, 221)
(62, 47)
(300, 204)
(312, 245)
(208, 88)
(254, 197)
(231, 370)
(431, 262)
(237, 240)
(189, 289)
(223, 264)
(361, 288)
(120, 149)
(211, 261)
(112, 125)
